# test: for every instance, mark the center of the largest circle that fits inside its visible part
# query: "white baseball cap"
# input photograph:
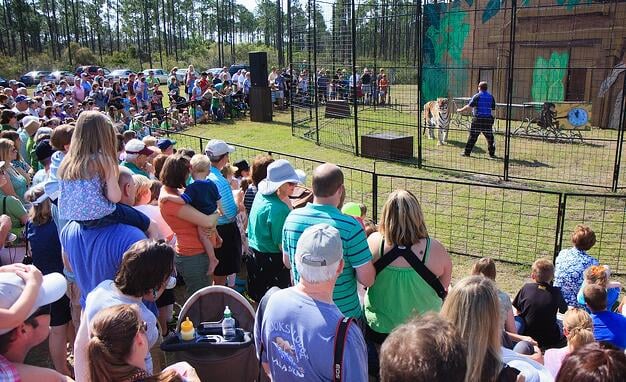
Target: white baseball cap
(52, 289)
(217, 147)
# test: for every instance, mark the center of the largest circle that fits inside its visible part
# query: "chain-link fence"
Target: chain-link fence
(510, 224)
(386, 79)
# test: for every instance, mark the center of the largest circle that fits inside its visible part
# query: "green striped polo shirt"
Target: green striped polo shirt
(355, 249)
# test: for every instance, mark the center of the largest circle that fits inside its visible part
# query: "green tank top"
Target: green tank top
(398, 294)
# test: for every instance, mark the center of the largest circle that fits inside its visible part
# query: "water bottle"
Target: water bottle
(228, 325)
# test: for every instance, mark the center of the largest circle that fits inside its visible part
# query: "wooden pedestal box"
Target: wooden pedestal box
(387, 146)
(337, 109)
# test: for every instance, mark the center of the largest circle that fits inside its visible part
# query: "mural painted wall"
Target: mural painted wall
(549, 76)
(446, 31)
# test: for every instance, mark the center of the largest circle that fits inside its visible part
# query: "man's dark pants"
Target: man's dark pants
(482, 125)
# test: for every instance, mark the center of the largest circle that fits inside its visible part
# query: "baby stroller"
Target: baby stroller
(217, 361)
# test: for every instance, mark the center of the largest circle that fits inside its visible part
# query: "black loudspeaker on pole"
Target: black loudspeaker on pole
(260, 97)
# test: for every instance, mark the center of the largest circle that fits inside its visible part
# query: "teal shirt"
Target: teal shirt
(355, 249)
(20, 185)
(136, 170)
(265, 226)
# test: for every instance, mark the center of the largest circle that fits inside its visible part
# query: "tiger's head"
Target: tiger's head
(442, 104)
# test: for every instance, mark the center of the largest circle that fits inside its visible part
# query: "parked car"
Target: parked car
(32, 78)
(4, 83)
(181, 73)
(63, 75)
(92, 70)
(214, 71)
(159, 74)
(119, 73)
(235, 68)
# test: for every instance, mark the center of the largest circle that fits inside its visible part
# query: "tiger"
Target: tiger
(437, 115)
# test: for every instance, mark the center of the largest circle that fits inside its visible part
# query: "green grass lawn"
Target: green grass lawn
(511, 225)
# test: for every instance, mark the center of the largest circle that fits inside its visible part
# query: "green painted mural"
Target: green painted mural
(549, 77)
(445, 37)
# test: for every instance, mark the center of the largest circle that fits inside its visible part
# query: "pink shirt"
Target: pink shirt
(553, 358)
(8, 372)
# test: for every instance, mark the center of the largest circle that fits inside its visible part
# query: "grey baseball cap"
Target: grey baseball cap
(319, 246)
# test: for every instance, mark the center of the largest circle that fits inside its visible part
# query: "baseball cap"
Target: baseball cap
(352, 209)
(22, 98)
(44, 150)
(217, 147)
(242, 165)
(52, 288)
(135, 146)
(26, 121)
(319, 246)
(165, 143)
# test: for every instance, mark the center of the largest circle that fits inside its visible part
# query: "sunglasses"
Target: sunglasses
(142, 326)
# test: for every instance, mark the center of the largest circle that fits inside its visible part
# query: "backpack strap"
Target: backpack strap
(416, 264)
(261, 310)
(341, 336)
(4, 205)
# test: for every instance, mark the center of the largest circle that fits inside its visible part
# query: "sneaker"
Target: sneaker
(463, 154)
(11, 237)
(493, 156)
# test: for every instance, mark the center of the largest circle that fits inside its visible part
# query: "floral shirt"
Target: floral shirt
(569, 273)
(84, 199)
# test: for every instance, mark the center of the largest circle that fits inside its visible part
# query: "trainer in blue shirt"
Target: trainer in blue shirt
(482, 104)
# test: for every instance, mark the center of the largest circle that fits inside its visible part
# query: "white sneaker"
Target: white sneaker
(11, 237)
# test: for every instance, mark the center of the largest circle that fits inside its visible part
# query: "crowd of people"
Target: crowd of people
(112, 223)
(368, 87)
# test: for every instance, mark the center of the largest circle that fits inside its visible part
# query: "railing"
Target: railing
(511, 224)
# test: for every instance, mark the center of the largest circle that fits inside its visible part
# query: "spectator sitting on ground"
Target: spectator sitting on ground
(400, 291)
(597, 362)
(426, 348)
(607, 326)
(472, 306)
(599, 274)
(296, 331)
(578, 329)
(537, 304)
(328, 196)
(487, 267)
(571, 264)
(17, 339)
(117, 349)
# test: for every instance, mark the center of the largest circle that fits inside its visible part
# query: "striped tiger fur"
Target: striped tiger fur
(437, 116)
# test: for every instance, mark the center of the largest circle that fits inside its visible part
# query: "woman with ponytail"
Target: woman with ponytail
(118, 346)
(578, 329)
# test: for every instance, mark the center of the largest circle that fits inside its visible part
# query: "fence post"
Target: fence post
(560, 224)
(290, 58)
(315, 92)
(619, 146)
(374, 196)
(509, 90)
(419, 82)
(354, 97)
(201, 144)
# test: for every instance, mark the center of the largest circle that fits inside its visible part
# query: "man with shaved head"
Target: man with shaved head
(328, 197)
